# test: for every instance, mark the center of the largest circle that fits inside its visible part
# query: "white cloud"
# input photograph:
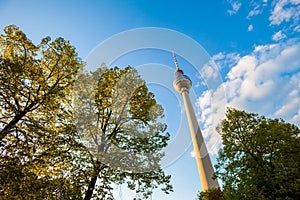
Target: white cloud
(209, 71)
(297, 29)
(255, 11)
(205, 102)
(264, 74)
(223, 60)
(198, 84)
(212, 108)
(290, 106)
(296, 118)
(278, 36)
(266, 81)
(246, 64)
(236, 5)
(284, 11)
(250, 28)
(218, 56)
(192, 153)
(263, 48)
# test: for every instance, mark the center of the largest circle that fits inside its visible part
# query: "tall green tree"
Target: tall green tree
(260, 157)
(37, 138)
(121, 125)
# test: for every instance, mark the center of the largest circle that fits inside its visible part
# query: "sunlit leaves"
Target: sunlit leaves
(121, 126)
(36, 134)
(61, 129)
(34, 78)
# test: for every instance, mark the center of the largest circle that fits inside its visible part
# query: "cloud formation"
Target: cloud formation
(284, 11)
(265, 81)
(235, 6)
(280, 12)
(250, 28)
(278, 36)
(255, 11)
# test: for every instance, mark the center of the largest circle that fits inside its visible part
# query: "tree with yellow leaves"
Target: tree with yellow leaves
(121, 126)
(68, 134)
(36, 136)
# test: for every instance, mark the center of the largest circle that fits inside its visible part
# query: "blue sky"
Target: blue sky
(254, 53)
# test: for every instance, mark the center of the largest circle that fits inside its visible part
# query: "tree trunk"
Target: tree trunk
(89, 192)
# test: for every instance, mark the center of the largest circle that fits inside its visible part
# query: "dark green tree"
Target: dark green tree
(37, 138)
(121, 126)
(260, 157)
(211, 194)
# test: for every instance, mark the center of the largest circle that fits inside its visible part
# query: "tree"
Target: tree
(37, 138)
(120, 124)
(260, 157)
(65, 134)
(211, 194)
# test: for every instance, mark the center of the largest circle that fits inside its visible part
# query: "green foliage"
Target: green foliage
(36, 136)
(61, 130)
(211, 194)
(120, 124)
(260, 157)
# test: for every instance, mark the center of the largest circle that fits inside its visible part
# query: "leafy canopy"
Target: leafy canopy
(211, 194)
(260, 157)
(121, 126)
(68, 134)
(36, 136)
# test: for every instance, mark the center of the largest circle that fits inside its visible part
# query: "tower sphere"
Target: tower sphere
(182, 82)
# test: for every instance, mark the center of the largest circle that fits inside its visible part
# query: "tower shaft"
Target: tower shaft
(182, 84)
(204, 164)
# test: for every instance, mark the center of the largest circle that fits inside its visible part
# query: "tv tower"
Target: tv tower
(182, 84)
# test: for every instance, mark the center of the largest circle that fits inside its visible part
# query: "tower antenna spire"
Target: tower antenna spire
(178, 70)
(175, 60)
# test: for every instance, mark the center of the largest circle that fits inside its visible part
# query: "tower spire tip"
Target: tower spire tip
(175, 60)
(178, 70)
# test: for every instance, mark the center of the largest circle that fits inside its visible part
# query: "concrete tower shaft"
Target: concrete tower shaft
(182, 84)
